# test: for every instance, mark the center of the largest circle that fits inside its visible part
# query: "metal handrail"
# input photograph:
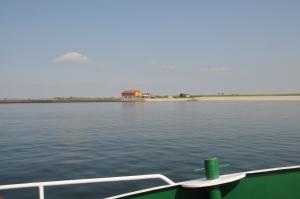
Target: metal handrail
(41, 185)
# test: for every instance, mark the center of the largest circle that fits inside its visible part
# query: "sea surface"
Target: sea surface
(43, 142)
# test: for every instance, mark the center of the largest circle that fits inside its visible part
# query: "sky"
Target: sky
(99, 48)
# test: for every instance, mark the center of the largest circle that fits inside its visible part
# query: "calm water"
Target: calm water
(41, 142)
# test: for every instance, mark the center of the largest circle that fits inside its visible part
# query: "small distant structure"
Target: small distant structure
(131, 95)
(146, 95)
(184, 95)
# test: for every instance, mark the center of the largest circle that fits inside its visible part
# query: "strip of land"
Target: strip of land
(280, 97)
(58, 100)
(249, 98)
(227, 98)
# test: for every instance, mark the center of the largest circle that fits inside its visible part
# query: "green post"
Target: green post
(212, 173)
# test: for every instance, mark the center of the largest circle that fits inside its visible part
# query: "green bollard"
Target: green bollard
(212, 173)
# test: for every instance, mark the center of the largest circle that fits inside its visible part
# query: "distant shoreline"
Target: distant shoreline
(281, 97)
(67, 100)
(250, 98)
(228, 98)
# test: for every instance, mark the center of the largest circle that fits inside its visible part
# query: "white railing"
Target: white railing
(41, 185)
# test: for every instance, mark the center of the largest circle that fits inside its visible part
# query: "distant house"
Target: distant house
(131, 94)
(184, 95)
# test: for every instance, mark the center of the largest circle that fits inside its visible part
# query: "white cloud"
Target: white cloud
(72, 57)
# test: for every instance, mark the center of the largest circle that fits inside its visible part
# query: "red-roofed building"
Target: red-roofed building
(131, 93)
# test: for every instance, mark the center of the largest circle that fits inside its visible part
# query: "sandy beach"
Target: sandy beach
(228, 98)
(250, 98)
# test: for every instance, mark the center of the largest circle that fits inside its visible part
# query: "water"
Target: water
(42, 142)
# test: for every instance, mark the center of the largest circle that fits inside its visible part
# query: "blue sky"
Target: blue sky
(98, 48)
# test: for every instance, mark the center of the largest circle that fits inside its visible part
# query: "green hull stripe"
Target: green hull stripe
(271, 185)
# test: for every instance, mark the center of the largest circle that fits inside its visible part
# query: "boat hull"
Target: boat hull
(281, 183)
